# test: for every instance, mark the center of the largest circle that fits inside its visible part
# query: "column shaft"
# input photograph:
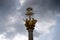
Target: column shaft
(30, 34)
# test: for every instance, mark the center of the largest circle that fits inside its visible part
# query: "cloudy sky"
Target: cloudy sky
(12, 13)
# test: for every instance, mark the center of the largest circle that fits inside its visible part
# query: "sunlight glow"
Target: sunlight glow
(22, 2)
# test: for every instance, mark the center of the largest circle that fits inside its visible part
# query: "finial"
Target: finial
(29, 12)
(29, 9)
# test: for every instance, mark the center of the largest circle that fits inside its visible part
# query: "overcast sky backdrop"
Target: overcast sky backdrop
(12, 13)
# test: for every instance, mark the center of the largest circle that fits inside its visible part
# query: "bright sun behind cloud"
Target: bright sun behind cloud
(22, 2)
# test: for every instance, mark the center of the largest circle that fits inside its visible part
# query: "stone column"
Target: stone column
(30, 34)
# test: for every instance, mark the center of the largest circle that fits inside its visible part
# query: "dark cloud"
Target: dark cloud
(7, 7)
(52, 4)
(2, 29)
(44, 5)
(41, 8)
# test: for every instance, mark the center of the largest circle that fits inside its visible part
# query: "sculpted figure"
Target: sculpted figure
(26, 22)
(34, 21)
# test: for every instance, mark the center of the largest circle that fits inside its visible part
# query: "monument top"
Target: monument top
(29, 12)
